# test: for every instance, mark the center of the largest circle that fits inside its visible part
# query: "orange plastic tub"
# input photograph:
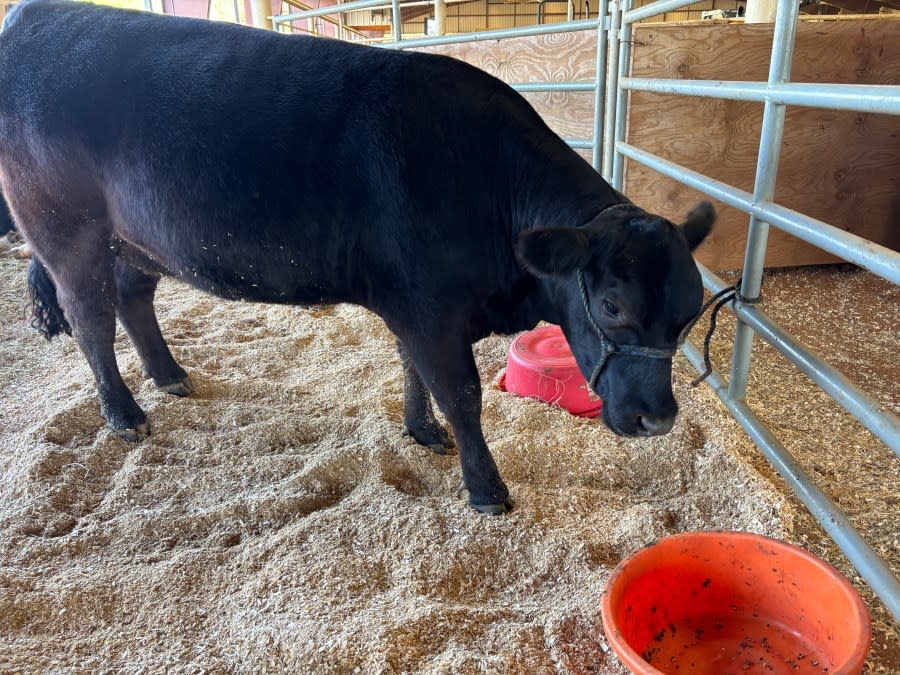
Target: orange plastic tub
(541, 365)
(731, 602)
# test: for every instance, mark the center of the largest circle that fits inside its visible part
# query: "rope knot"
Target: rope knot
(720, 299)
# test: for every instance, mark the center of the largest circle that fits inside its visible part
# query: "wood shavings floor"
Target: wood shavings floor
(278, 521)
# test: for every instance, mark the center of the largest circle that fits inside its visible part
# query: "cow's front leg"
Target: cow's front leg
(418, 415)
(448, 370)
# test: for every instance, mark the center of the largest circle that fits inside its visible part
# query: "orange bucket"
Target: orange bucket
(541, 365)
(714, 603)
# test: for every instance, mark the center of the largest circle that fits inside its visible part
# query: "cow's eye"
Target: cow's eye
(610, 309)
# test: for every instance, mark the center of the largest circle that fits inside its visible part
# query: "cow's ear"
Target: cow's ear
(549, 251)
(698, 224)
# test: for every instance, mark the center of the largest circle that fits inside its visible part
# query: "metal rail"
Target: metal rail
(862, 556)
(611, 87)
(871, 413)
(499, 34)
(880, 98)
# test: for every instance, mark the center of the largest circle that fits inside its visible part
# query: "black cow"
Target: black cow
(292, 169)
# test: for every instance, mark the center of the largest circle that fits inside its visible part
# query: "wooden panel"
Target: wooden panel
(839, 167)
(546, 58)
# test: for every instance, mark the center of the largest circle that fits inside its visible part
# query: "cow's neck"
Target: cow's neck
(565, 192)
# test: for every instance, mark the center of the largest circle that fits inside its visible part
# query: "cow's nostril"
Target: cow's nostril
(651, 426)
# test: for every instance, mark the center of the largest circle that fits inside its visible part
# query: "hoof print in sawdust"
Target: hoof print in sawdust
(277, 512)
(151, 455)
(49, 465)
(58, 525)
(319, 502)
(228, 539)
(66, 485)
(406, 481)
(77, 425)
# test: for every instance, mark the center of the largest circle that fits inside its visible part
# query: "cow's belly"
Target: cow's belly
(272, 273)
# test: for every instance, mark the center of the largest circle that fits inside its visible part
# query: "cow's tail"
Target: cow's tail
(46, 314)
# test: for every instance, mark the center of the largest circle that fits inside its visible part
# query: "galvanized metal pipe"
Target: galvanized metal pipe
(872, 414)
(554, 86)
(654, 8)
(612, 88)
(866, 561)
(579, 144)
(500, 34)
(624, 67)
(396, 24)
(881, 99)
(764, 188)
(602, 46)
(877, 259)
(334, 9)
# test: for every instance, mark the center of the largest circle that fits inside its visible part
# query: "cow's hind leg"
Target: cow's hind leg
(80, 262)
(448, 370)
(418, 415)
(135, 289)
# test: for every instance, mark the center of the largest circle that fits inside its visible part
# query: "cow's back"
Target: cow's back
(273, 167)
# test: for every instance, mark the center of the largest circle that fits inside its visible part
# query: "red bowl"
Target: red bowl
(541, 366)
(709, 603)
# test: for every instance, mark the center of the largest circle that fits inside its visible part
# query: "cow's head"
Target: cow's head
(627, 286)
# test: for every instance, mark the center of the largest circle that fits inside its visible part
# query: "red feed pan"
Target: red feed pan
(541, 366)
(732, 602)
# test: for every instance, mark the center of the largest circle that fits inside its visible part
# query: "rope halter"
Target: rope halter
(608, 347)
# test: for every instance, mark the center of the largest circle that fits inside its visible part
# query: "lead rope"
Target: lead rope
(722, 298)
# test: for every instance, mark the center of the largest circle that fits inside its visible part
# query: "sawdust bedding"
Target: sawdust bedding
(277, 520)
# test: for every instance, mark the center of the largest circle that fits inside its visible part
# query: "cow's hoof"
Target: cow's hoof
(183, 387)
(435, 438)
(493, 509)
(135, 434)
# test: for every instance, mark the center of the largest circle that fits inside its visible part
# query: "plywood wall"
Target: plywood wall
(842, 168)
(564, 57)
